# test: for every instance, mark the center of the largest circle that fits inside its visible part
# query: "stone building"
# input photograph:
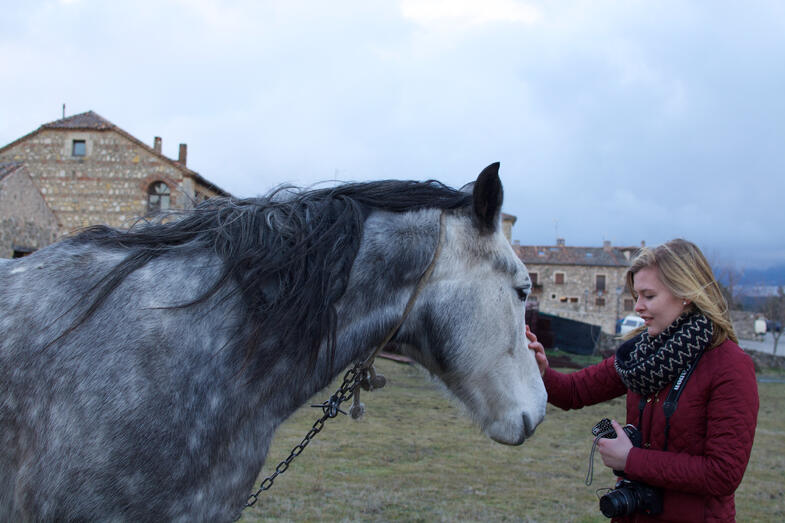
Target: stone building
(508, 220)
(580, 283)
(26, 223)
(89, 171)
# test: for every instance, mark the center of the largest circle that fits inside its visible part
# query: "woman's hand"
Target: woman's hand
(539, 351)
(614, 451)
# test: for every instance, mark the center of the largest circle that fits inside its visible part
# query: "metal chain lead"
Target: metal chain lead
(331, 408)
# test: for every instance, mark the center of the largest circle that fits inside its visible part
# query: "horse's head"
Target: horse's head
(467, 325)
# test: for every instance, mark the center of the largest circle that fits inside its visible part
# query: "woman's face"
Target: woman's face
(655, 303)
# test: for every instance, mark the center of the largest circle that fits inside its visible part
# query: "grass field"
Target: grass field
(415, 456)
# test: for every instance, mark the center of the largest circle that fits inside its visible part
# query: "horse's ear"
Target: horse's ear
(488, 197)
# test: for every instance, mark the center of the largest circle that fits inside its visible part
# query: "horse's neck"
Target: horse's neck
(394, 252)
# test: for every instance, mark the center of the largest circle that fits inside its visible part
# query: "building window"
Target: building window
(600, 283)
(629, 303)
(79, 148)
(533, 276)
(158, 197)
(599, 302)
(558, 278)
(573, 299)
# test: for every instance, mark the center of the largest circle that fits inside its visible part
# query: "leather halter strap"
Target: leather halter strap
(412, 299)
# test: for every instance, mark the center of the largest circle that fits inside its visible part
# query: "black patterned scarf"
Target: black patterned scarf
(646, 364)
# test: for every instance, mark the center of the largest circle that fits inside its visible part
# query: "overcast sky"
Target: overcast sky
(621, 121)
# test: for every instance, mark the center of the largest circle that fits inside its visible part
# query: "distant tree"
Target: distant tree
(729, 277)
(774, 309)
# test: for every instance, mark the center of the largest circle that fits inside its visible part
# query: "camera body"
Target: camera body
(627, 497)
(604, 429)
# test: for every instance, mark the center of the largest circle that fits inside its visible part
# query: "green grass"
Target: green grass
(581, 359)
(416, 457)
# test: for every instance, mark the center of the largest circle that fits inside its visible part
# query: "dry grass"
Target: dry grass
(416, 457)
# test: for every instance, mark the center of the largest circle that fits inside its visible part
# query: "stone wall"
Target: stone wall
(26, 223)
(764, 361)
(743, 324)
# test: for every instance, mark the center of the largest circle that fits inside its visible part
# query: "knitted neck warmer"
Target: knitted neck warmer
(646, 364)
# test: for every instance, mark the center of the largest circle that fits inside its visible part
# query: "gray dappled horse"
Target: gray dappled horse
(143, 373)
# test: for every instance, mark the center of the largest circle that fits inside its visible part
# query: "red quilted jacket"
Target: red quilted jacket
(710, 436)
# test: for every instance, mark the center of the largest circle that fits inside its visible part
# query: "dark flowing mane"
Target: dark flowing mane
(288, 254)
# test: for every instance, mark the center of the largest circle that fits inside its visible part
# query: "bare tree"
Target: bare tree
(774, 309)
(730, 290)
(729, 276)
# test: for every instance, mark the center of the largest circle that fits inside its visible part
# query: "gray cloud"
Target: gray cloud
(628, 122)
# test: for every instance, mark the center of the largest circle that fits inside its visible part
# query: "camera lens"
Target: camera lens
(620, 502)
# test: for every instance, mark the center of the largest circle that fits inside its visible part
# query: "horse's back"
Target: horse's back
(37, 292)
(99, 397)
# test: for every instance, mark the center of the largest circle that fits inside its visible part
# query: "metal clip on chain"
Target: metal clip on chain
(369, 381)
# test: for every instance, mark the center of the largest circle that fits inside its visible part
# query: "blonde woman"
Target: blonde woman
(691, 461)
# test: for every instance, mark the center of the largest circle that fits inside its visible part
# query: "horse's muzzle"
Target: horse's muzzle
(513, 430)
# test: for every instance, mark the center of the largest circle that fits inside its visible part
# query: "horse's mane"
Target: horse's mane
(287, 254)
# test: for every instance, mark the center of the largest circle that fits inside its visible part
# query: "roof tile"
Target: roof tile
(564, 255)
(88, 120)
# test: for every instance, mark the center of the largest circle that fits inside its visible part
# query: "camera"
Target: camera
(604, 429)
(627, 497)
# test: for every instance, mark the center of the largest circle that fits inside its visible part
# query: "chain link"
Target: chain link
(330, 408)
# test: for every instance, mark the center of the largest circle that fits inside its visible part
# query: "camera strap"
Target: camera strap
(672, 401)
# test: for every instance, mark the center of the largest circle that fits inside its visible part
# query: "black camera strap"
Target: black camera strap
(672, 401)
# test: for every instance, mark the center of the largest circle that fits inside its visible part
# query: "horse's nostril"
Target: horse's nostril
(528, 425)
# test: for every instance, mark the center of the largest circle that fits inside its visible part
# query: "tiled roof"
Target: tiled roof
(7, 168)
(93, 121)
(88, 120)
(564, 255)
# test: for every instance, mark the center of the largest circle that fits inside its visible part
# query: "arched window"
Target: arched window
(158, 197)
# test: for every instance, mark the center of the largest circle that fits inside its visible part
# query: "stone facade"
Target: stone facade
(26, 223)
(580, 283)
(508, 220)
(89, 171)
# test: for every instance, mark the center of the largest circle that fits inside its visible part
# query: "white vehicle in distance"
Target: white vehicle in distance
(630, 323)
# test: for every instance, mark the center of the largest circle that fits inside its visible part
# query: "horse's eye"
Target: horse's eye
(523, 293)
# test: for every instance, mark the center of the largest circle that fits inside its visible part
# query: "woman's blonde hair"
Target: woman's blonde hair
(686, 273)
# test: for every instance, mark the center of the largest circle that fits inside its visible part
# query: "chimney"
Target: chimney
(606, 245)
(157, 144)
(183, 154)
(643, 243)
(560, 242)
